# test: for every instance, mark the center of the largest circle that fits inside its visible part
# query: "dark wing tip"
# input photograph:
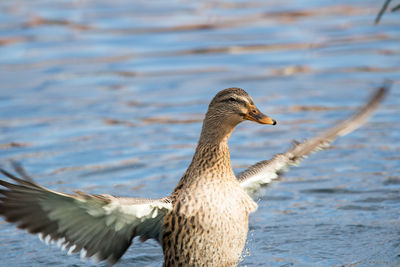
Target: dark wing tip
(21, 171)
(382, 91)
(16, 179)
(9, 175)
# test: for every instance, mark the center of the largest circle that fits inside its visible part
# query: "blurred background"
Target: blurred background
(108, 97)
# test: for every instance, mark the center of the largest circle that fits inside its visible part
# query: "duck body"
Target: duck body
(209, 223)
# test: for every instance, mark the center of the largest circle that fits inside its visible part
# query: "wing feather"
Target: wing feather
(264, 172)
(98, 226)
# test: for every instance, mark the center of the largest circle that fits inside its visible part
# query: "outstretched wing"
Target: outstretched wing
(99, 226)
(265, 171)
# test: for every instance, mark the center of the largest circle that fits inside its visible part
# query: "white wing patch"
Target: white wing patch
(122, 218)
(261, 174)
(101, 227)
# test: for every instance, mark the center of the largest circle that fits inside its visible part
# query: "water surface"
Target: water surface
(108, 97)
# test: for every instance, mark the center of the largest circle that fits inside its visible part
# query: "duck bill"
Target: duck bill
(259, 117)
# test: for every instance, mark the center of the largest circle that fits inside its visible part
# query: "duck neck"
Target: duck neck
(211, 159)
(212, 152)
(215, 132)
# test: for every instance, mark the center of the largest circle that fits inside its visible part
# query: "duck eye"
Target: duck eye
(230, 99)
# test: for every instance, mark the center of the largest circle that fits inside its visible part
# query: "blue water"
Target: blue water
(108, 97)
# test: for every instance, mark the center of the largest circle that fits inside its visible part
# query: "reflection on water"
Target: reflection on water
(108, 96)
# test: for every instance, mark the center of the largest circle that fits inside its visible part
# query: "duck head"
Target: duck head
(229, 108)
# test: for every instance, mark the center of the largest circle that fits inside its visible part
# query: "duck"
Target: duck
(203, 222)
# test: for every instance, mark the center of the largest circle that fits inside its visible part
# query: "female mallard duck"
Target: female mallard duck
(205, 220)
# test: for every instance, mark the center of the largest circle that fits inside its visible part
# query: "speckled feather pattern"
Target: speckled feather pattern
(209, 223)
